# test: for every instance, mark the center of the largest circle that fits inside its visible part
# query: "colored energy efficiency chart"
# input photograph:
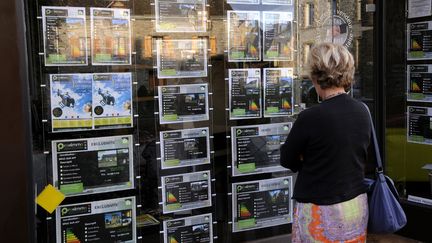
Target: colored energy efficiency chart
(71, 237)
(419, 40)
(244, 211)
(172, 239)
(186, 191)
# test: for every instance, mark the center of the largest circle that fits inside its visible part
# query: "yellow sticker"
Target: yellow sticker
(50, 198)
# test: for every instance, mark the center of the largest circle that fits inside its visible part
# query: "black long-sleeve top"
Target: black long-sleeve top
(328, 145)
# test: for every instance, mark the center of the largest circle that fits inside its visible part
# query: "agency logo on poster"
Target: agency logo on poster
(336, 28)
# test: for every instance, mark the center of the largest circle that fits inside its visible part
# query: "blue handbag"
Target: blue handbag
(385, 212)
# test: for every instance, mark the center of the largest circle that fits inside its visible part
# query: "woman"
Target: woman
(327, 145)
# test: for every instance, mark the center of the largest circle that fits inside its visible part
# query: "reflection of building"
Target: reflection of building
(350, 25)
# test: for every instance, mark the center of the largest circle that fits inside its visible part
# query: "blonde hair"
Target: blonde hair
(332, 65)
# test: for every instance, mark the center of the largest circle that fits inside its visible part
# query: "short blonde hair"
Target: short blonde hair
(332, 65)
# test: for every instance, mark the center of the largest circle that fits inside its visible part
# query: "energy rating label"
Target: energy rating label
(419, 83)
(186, 191)
(263, 203)
(244, 93)
(419, 43)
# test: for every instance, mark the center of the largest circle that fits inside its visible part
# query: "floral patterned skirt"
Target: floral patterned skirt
(344, 222)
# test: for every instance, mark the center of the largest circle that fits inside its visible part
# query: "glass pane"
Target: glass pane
(161, 121)
(408, 107)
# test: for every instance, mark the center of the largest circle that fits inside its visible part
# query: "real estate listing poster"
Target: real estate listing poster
(419, 83)
(419, 41)
(419, 125)
(278, 92)
(186, 191)
(71, 102)
(255, 149)
(244, 36)
(244, 93)
(108, 221)
(187, 147)
(278, 36)
(110, 36)
(277, 2)
(64, 36)
(181, 16)
(181, 58)
(190, 229)
(93, 165)
(260, 204)
(183, 103)
(112, 100)
(419, 8)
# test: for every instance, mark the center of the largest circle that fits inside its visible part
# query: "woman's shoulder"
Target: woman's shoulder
(310, 112)
(359, 105)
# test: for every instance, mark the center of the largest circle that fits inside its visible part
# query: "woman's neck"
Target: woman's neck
(332, 92)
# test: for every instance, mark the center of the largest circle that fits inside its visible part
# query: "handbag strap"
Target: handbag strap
(379, 167)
